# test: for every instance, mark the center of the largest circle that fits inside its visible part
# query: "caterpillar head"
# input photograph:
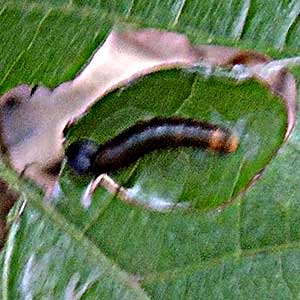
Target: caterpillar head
(80, 155)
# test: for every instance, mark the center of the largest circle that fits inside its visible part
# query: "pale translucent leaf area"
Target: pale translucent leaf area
(248, 250)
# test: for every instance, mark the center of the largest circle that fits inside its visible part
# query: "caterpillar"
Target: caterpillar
(86, 156)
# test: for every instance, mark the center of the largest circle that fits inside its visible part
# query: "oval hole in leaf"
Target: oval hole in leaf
(205, 179)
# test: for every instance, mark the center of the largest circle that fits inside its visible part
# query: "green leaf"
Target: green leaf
(246, 250)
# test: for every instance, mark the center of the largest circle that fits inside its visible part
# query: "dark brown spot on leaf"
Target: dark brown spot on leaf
(8, 197)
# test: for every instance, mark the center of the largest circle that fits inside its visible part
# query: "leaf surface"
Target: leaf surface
(249, 249)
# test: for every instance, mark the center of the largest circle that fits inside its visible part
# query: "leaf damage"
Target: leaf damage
(8, 198)
(33, 120)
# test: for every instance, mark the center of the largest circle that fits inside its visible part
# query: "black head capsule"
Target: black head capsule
(80, 155)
